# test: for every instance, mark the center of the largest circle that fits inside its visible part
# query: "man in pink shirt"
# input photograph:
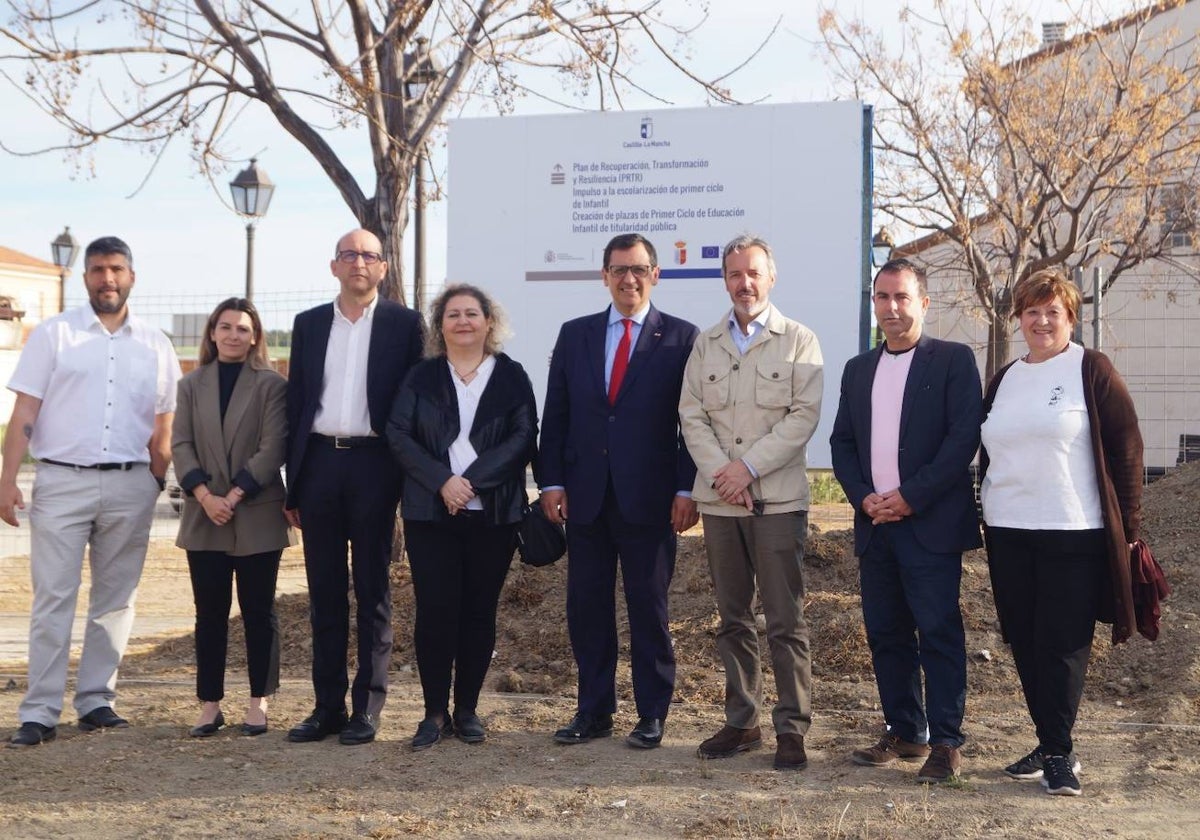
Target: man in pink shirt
(906, 431)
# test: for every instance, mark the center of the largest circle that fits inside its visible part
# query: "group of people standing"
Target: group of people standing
(648, 424)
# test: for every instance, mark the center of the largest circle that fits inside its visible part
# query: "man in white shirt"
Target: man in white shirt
(907, 428)
(348, 360)
(95, 393)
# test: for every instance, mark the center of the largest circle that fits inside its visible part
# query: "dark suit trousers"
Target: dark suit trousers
(910, 603)
(458, 569)
(347, 497)
(213, 573)
(647, 557)
(1047, 586)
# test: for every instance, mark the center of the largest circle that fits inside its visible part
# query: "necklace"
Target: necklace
(465, 378)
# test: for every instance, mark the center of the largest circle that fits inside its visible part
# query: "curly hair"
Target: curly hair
(435, 342)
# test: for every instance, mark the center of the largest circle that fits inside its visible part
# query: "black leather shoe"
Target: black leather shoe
(431, 730)
(250, 730)
(315, 727)
(102, 718)
(206, 729)
(469, 728)
(583, 728)
(31, 734)
(360, 729)
(647, 734)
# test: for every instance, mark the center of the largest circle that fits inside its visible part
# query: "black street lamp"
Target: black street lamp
(252, 191)
(64, 249)
(882, 245)
(421, 70)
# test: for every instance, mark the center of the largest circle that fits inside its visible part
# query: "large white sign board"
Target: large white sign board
(534, 200)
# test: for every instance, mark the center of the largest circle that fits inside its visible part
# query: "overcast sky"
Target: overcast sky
(186, 241)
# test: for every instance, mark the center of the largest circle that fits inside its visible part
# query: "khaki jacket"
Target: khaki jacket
(763, 407)
(253, 439)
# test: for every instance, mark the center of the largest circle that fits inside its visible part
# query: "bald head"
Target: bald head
(358, 265)
(365, 239)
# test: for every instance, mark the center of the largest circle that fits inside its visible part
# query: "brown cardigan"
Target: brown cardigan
(1117, 451)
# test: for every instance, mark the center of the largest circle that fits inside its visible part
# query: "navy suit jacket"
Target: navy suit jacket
(636, 441)
(397, 339)
(939, 435)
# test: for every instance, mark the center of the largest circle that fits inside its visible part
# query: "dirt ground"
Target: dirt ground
(1138, 735)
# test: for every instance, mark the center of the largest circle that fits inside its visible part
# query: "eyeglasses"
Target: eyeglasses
(351, 257)
(641, 272)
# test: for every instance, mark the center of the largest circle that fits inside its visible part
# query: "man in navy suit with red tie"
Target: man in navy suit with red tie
(613, 467)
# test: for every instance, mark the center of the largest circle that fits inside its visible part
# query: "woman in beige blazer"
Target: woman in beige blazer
(228, 443)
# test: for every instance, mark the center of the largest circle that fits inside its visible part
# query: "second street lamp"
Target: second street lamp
(64, 249)
(252, 191)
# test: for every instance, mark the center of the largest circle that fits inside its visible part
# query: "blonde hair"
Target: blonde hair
(435, 342)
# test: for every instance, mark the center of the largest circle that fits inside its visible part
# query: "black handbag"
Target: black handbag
(539, 541)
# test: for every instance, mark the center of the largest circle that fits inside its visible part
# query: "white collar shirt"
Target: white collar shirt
(100, 392)
(462, 453)
(743, 340)
(343, 410)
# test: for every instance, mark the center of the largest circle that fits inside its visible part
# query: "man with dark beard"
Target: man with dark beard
(95, 393)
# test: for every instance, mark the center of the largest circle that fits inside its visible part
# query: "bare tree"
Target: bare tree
(155, 71)
(1014, 155)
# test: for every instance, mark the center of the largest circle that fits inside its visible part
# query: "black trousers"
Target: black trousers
(213, 573)
(646, 554)
(458, 570)
(347, 500)
(1047, 586)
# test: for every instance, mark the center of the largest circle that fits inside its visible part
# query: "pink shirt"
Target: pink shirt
(887, 399)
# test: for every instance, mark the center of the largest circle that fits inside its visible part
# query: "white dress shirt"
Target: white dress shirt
(100, 391)
(343, 410)
(462, 453)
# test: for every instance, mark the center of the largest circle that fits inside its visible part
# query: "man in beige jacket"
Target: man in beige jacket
(751, 399)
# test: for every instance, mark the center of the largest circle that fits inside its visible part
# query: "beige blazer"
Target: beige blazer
(253, 437)
(763, 406)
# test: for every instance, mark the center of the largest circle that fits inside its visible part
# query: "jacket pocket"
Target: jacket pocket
(773, 385)
(714, 388)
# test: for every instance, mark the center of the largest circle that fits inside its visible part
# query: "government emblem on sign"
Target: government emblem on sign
(647, 128)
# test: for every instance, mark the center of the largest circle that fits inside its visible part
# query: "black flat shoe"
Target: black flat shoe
(360, 729)
(31, 734)
(469, 728)
(583, 728)
(647, 735)
(250, 730)
(102, 718)
(318, 725)
(430, 731)
(206, 729)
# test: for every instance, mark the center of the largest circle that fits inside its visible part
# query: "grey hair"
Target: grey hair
(746, 241)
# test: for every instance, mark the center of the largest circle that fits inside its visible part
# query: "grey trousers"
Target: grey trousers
(109, 513)
(769, 549)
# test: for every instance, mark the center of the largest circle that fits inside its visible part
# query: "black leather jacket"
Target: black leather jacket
(425, 421)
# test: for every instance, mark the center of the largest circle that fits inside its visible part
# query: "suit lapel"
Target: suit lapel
(379, 328)
(319, 345)
(208, 396)
(593, 350)
(922, 355)
(239, 401)
(648, 341)
(862, 393)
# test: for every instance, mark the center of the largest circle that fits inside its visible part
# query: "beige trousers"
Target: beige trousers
(767, 549)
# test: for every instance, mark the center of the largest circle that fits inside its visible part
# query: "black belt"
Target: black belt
(123, 466)
(347, 442)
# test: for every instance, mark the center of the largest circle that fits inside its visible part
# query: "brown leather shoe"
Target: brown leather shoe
(789, 752)
(730, 741)
(941, 766)
(890, 748)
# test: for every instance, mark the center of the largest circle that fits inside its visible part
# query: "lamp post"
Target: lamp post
(421, 70)
(64, 249)
(252, 191)
(882, 245)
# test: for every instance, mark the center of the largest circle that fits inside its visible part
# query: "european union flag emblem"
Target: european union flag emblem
(710, 252)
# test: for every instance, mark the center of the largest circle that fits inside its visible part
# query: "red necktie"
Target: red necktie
(620, 362)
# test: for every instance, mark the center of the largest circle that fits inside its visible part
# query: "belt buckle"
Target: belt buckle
(338, 444)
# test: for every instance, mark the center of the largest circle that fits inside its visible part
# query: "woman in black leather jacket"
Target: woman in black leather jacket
(463, 428)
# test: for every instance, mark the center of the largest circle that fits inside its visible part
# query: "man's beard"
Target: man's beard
(109, 307)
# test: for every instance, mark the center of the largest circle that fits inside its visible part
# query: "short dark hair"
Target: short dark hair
(898, 265)
(106, 245)
(258, 357)
(625, 241)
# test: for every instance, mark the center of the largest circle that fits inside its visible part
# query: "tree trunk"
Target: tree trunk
(998, 342)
